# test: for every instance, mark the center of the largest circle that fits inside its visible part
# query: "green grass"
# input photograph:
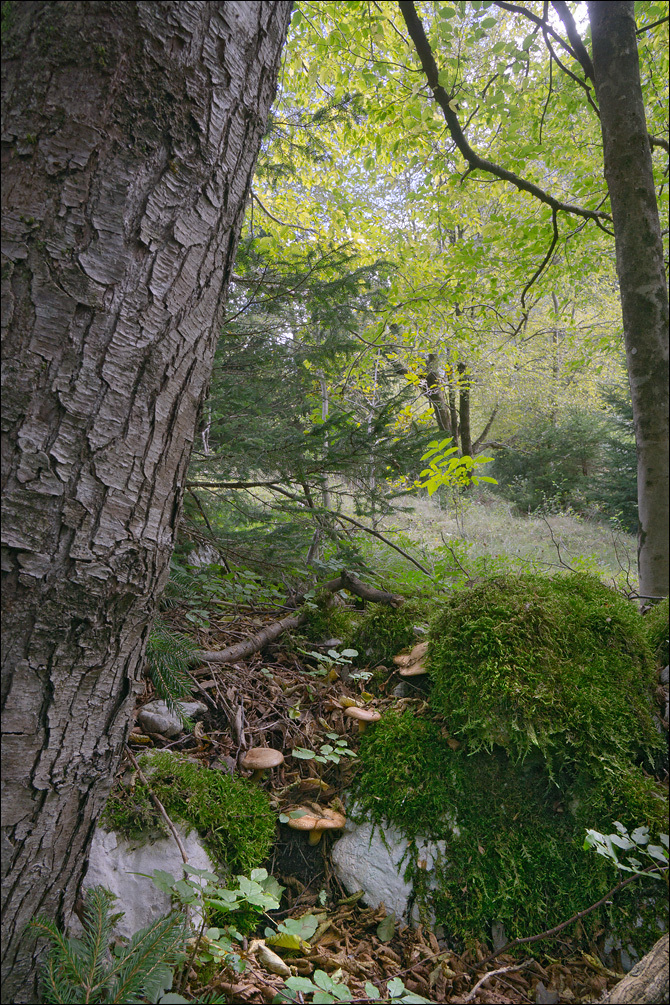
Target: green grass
(486, 537)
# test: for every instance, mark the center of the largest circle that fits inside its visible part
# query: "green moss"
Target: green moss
(232, 816)
(330, 622)
(560, 666)
(656, 626)
(383, 631)
(513, 837)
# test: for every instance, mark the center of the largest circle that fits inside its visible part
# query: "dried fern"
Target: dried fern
(85, 971)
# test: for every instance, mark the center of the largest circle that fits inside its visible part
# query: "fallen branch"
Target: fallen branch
(493, 973)
(345, 581)
(241, 650)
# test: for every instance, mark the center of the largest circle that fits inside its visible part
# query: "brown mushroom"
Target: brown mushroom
(415, 670)
(362, 715)
(408, 659)
(316, 823)
(261, 759)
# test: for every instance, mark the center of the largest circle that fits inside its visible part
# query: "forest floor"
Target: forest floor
(286, 704)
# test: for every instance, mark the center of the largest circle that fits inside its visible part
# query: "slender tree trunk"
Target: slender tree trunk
(130, 136)
(464, 409)
(436, 396)
(639, 256)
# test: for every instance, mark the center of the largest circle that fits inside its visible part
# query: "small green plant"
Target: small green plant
(84, 970)
(446, 469)
(611, 845)
(328, 754)
(169, 655)
(328, 660)
(293, 933)
(326, 990)
(247, 900)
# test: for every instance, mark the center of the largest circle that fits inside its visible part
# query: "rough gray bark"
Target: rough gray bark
(647, 983)
(639, 256)
(130, 134)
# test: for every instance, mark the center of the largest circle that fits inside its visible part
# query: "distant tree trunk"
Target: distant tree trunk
(436, 396)
(639, 256)
(130, 135)
(464, 409)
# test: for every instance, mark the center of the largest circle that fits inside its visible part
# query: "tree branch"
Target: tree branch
(581, 54)
(475, 162)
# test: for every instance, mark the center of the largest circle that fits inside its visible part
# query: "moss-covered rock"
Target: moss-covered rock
(513, 837)
(547, 686)
(561, 666)
(232, 816)
(384, 631)
(656, 626)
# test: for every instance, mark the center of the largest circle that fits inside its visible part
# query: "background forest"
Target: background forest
(383, 301)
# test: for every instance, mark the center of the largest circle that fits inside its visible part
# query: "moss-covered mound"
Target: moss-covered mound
(561, 666)
(656, 627)
(384, 631)
(232, 816)
(513, 838)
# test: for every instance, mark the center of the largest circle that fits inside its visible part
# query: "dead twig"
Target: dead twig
(157, 803)
(493, 973)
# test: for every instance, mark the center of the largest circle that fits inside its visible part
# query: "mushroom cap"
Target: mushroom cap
(415, 670)
(417, 653)
(304, 823)
(325, 820)
(362, 714)
(259, 758)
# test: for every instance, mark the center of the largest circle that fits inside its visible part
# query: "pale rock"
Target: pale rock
(364, 861)
(156, 717)
(116, 864)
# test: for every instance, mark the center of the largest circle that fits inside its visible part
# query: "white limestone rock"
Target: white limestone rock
(116, 864)
(363, 861)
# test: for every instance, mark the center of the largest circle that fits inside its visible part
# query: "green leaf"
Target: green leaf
(386, 928)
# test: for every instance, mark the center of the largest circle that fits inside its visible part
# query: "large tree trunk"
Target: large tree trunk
(647, 983)
(639, 256)
(130, 136)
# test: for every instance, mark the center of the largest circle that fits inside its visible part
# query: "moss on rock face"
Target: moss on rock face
(559, 666)
(547, 684)
(513, 837)
(384, 631)
(232, 816)
(656, 626)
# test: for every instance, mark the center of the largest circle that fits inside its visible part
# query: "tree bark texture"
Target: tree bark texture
(647, 983)
(130, 134)
(639, 256)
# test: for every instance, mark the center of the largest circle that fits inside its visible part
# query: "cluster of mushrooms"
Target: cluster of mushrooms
(259, 760)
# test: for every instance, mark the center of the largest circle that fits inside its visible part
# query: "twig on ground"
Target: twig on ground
(157, 803)
(493, 973)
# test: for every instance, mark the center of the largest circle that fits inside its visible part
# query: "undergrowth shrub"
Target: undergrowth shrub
(233, 817)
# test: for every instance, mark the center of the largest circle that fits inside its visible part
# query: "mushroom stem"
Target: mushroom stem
(258, 774)
(315, 836)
